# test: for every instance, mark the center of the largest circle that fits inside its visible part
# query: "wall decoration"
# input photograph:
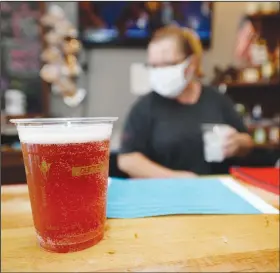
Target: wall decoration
(61, 67)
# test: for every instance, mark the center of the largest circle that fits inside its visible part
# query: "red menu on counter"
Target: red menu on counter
(265, 178)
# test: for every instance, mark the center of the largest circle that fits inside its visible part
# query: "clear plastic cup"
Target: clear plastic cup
(214, 136)
(66, 162)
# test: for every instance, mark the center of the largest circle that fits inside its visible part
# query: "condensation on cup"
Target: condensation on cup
(214, 136)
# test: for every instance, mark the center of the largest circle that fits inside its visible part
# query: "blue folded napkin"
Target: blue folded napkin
(134, 198)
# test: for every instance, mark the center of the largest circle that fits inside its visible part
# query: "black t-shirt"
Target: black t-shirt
(169, 133)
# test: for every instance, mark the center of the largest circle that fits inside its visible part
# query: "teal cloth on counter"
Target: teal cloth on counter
(135, 198)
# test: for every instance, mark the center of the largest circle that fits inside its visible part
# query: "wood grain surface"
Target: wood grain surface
(194, 243)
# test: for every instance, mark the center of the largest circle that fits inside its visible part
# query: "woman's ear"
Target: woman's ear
(192, 67)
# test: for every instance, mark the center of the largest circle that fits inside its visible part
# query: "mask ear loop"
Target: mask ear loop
(187, 64)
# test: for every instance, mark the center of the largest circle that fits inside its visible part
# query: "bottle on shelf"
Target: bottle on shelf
(259, 52)
(259, 134)
(244, 114)
(253, 8)
(268, 7)
(240, 109)
(274, 134)
(257, 112)
(276, 60)
(268, 69)
(274, 131)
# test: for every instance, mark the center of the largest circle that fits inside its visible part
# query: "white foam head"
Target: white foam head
(57, 134)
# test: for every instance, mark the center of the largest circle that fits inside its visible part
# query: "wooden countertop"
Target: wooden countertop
(229, 243)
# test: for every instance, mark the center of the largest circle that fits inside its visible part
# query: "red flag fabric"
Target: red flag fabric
(245, 37)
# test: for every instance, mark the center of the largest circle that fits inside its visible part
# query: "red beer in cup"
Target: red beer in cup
(66, 163)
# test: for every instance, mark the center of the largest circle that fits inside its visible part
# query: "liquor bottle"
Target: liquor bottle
(257, 112)
(268, 7)
(252, 8)
(274, 132)
(268, 69)
(276, 59)
(259, 134)
(259, 52)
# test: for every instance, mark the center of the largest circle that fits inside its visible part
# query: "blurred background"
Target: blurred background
(62, 59)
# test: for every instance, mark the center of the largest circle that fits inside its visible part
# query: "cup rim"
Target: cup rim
(59, 121)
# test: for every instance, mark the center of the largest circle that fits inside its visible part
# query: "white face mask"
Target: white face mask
(170, 81)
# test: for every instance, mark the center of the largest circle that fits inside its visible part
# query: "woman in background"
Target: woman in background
(162, 135)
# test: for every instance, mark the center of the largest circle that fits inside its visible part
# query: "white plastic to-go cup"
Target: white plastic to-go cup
(214, 136)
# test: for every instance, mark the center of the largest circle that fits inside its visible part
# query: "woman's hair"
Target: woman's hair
(187, 40)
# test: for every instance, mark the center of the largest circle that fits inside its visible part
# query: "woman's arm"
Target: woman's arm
(238, 144)
(136, 165)
(246, 144)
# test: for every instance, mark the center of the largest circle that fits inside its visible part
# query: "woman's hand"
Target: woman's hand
(236, 144)
(137, 165)
(232, 143)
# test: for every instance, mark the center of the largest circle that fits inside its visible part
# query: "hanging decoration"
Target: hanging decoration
(61, 68)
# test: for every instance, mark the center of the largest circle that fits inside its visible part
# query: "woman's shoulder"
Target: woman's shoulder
(144, 102)
(212, 92)
(147, 99)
